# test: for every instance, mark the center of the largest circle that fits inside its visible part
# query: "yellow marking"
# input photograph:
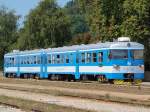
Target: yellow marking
(118, 82)
(138, 81)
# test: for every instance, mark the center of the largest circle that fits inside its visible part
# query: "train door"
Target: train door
(44, 65)
(100, 58)
(77, 74)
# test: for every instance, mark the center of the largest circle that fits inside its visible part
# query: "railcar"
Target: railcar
(115, 62)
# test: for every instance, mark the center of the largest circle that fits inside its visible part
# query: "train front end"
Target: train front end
(127, 61)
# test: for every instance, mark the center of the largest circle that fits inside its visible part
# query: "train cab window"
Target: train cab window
(67, 58)
(82, 57)
(94, 57)
(88, 57)
(118, 54)
(100, 57)
(137, 54)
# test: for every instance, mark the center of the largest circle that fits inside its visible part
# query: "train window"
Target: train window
(62, 58)
(83, 57)
(34, 60)
(21, 61)
(137, 54)
(53, 59)
(71, 58)
(28, 60)
(24, 58)
(67, 58)
(94, 57)
(6, 61)
(12, 61)
(15, 61)
(100, 57)
(38, 59)
(31, 60)
(57, 59)
(88, 57)
(118, 54)
(49, 60)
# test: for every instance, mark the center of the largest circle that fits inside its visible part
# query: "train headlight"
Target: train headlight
(142, 67)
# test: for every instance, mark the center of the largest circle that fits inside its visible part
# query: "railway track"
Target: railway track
(88, 91)
(141, 90)
(81, 93)
(86, 104)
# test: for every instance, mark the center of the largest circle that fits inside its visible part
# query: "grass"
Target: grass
(29, 105)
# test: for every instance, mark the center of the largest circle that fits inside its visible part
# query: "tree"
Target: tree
(8, 31)
(136, 22)
(46, 26)
(104, 18)
(78, 22)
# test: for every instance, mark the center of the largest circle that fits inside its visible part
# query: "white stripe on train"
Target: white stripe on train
(82, 69)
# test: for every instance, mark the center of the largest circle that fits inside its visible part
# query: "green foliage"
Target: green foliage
(83, 38)
(47, 26)
(136, 22)
(8, 31)
(78, 22)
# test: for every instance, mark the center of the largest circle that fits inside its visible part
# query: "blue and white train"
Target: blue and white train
(116, 62)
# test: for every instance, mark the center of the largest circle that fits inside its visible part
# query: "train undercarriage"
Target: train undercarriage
(128, 80)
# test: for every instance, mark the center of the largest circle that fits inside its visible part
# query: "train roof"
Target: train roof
(106, 45)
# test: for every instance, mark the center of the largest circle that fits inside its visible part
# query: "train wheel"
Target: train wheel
(138, 81)
(118, 82)
(101, 79)
(37, 77)
(25, 76)
(85, 78)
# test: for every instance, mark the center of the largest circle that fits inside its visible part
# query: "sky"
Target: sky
(23, 7)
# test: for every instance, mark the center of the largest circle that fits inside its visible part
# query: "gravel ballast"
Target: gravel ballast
(9, 109)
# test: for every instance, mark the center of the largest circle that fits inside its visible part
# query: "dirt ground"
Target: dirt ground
(142, 90)
(107, 94)
(81, 95)
(77, 91)
(94, 105)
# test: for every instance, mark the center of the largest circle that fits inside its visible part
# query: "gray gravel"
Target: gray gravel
(86, 104)
(9, 109)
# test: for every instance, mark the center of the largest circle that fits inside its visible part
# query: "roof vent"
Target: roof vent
(123, 39)
(14, 51)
